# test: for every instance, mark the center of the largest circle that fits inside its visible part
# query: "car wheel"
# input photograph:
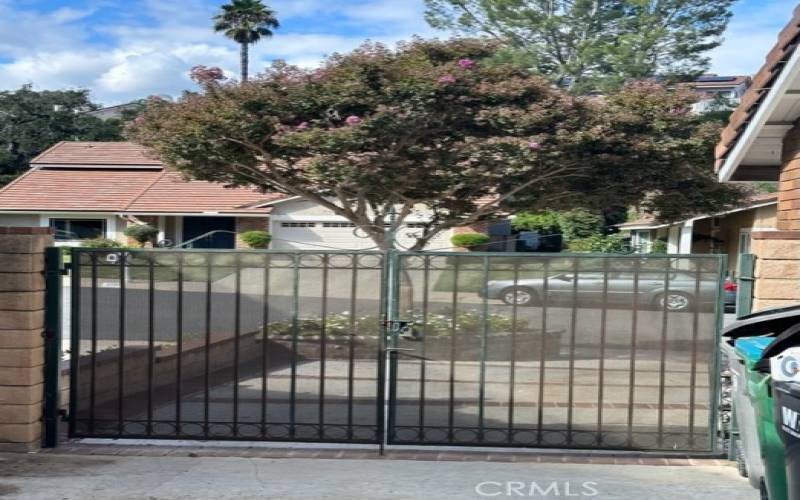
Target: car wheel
(675, 301)
(519, 296)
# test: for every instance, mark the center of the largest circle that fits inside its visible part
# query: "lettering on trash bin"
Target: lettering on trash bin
(790, 421)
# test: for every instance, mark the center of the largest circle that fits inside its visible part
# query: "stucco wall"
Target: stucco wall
(19, 220)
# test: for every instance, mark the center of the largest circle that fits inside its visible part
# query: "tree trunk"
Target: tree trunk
(243, 54)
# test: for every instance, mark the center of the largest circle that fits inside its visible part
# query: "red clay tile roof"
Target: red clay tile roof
(97, 153)
(108, 186)
(762, 81)
(132, 191)
(171, 193)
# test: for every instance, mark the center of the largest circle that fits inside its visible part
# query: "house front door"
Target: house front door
(209, 232)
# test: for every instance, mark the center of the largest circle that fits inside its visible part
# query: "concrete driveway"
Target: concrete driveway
(49, 476)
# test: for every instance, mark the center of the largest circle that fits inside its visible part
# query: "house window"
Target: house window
(641, 241)
(298, 224)
(744, 241)
(78, 229)
(338, 224)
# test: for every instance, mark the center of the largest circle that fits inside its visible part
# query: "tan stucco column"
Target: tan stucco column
(21, 336)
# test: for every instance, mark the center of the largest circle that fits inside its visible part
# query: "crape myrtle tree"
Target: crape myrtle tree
(377, 134)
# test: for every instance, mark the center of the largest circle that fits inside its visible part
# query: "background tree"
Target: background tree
(429, 126)
(246, 22)
(590, 44)
(32, 121)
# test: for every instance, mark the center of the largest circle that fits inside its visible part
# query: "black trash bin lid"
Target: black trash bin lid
(789, 338)
(767, 322)
(791, 388)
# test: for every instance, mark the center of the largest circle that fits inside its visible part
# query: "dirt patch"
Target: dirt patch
(46, 465)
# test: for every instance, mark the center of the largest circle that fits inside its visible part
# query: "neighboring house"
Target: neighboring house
(118, 111)
(762, 143)
(86, 190)
(720, 92)
(726, 232)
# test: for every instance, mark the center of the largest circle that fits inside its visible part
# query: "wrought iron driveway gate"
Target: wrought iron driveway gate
(547, 350)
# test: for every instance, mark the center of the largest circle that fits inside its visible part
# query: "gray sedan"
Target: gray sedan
(679, 293)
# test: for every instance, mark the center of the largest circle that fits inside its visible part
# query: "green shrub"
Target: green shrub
(102, 243)
(599, 244)
(437, 324)
(544, 223)
(470, 240)
(580, 223)
(256, 239)
(142, 233)
(658, 246)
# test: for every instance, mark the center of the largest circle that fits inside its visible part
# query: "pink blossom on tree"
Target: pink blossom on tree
(466, 63)
(352, 120)
(204, 75)
(446, 79)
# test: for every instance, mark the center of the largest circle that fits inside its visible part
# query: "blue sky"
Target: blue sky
(123, 50)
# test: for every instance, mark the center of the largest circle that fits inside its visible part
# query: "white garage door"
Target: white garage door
(295, 235)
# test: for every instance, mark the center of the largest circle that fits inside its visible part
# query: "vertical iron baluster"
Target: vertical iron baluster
(207, 348)
(573, 330)
(425, 295)
(601, 378)
(484, 335)
(237, 331)
(295, 333)
(513, 357)
(322, 343)
(637, 264)
(93, 312)
(715, 382)
(382, 433)
(351, 347)
(663, 356)
(264, 346)
(74, 338)
(121, 359)
(453, 327)
(53, 299)
(695, 334)
(179, 346)
(150, 340)
(543, 354)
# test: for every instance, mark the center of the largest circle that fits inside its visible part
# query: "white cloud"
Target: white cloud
(137, 59)
(155, 59)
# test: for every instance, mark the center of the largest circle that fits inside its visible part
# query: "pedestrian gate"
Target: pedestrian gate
(525, 350)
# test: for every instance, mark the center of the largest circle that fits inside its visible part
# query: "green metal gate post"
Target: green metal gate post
(744, 294)
(52, 345)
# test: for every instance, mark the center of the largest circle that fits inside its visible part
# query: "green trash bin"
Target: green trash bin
(759, 391)
(756, 338)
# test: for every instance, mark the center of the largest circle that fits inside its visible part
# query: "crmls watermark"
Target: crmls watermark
(533, 489)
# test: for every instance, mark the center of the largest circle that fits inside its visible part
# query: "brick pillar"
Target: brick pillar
(789, 183)
(244, 224)
(777, 268)
(21, 336)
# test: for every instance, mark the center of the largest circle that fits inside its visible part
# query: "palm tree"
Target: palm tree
(245, 22)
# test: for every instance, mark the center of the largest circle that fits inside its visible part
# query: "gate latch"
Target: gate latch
(402, 328)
